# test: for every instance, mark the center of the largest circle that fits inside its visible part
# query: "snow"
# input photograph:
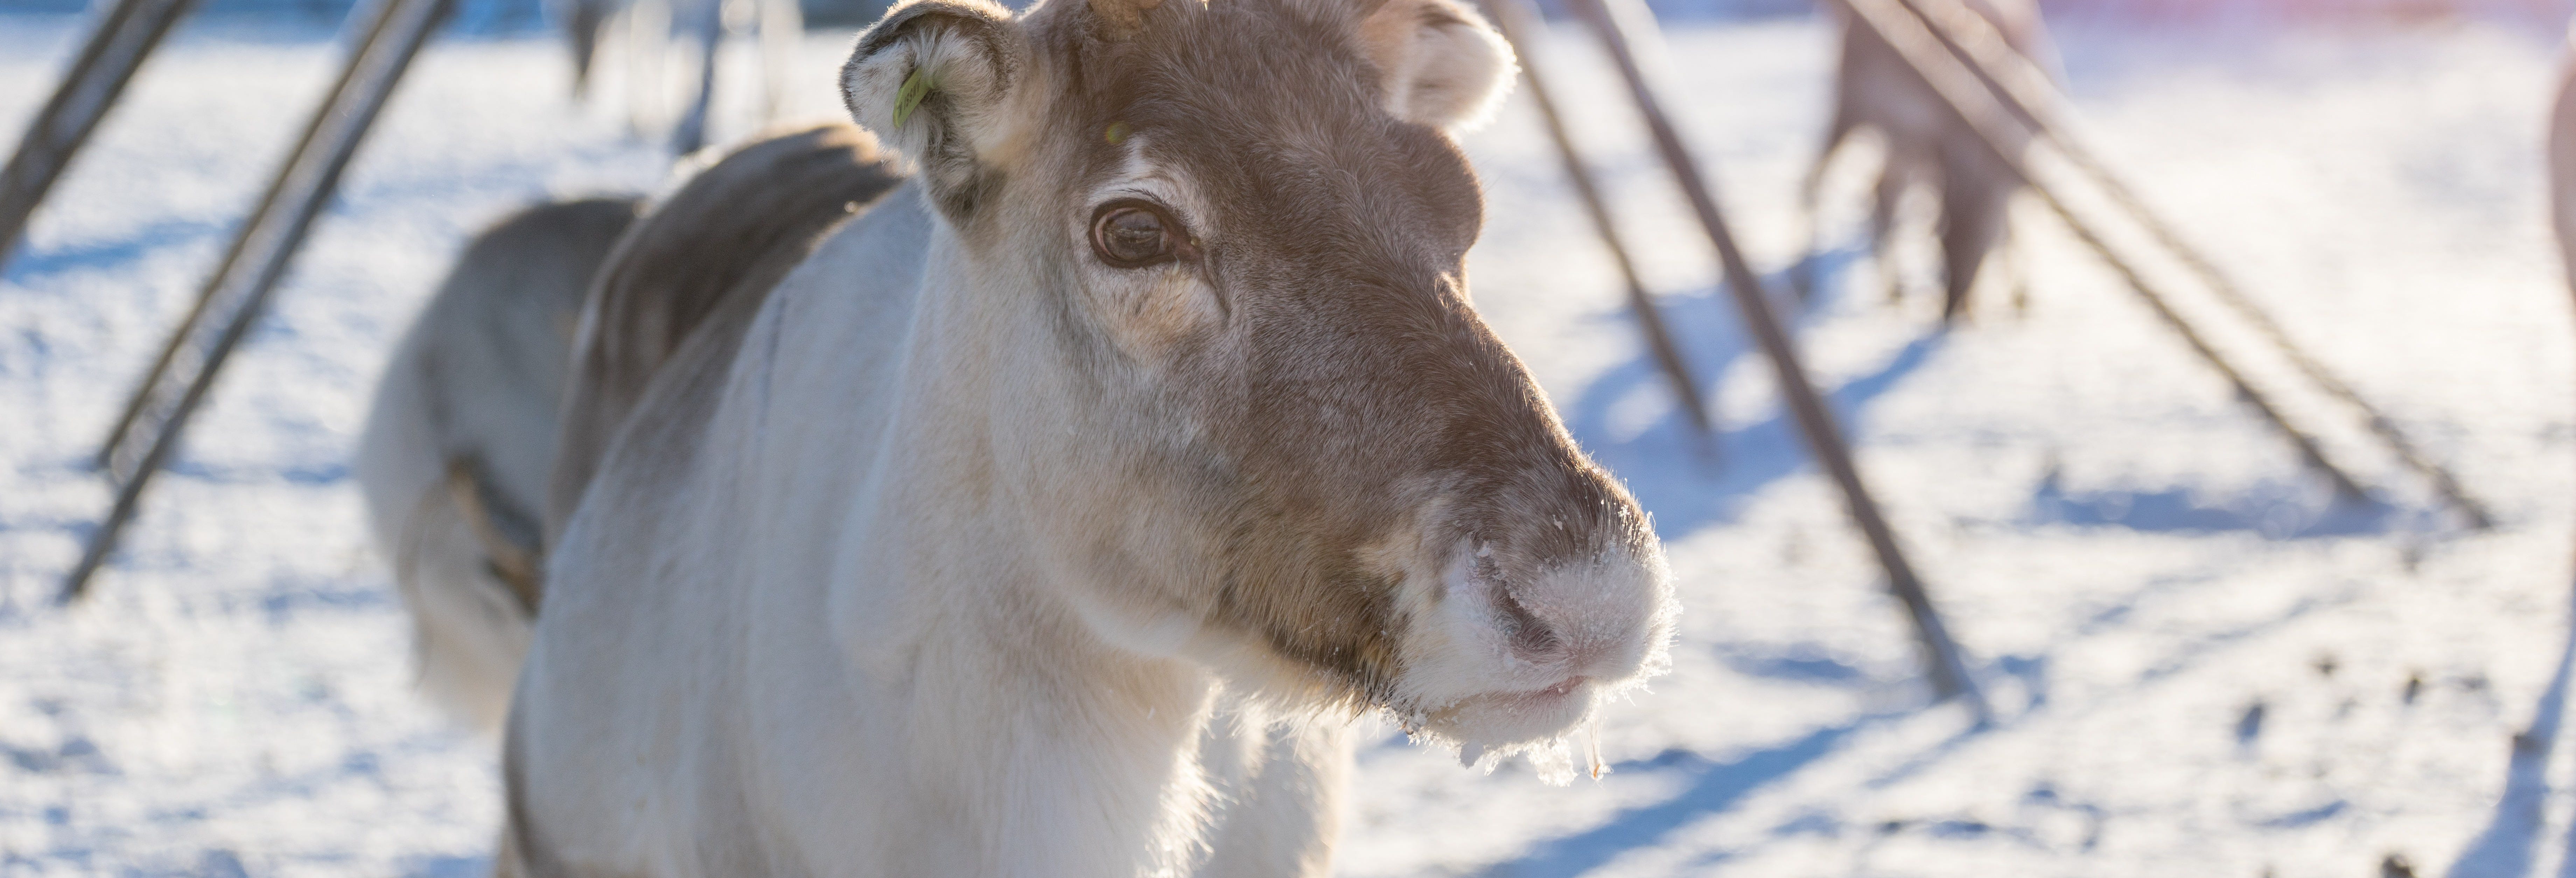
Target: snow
(2197, 669)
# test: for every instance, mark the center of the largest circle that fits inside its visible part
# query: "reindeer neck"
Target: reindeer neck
(938, 592)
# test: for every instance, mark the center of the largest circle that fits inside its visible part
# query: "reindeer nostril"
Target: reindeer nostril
(1529, 635)
(1538, 640)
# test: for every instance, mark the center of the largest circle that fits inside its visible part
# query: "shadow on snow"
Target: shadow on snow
(2507, 848)
(1716, 787)
(1661, 460)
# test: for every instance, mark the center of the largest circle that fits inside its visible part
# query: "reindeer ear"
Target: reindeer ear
(933, 79)
(1443, 65)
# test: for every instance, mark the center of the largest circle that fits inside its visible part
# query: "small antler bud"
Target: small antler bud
(1120, 20)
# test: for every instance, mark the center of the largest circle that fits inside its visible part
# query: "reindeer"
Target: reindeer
(456, 452)
(652, 26)
(1052, 512)
(455, 459)
(1925, 145)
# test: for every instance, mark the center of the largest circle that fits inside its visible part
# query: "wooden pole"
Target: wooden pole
(1975, 106)
(267, 244)
(2032, 96)
(1521, 25)
(1618, 23)
(119, 452)
(125, 37)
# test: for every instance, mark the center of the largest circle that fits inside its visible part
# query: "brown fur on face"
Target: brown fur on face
(1349, 419)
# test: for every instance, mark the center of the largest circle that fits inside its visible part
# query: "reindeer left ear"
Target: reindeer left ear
(1442, 64)
(933, 78)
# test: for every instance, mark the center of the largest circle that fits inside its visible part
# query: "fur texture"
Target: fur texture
(475, 385)
(712, 249)
(1437, 62)
(987, 550)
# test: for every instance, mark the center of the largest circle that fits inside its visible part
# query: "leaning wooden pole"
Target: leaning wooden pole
(1618, 23)
(267, 244)
(160, 387)
(1521, 25)
(1975, 106)
(2032, 96)
(125, 37)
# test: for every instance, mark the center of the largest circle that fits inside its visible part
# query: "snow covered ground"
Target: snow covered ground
(2198, 670)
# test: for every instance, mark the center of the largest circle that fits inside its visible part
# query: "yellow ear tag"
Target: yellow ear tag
(1116, 134)
(908, 99)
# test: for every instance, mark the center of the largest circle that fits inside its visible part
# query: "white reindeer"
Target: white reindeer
(1925, 145)
(456, 452)
(1050, 514)
(455, 459)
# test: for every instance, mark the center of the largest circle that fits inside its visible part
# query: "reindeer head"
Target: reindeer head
(1256, 420)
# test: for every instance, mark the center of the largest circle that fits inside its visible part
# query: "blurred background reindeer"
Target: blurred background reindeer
(2562, 159)
(1925, 145)
(658, 36)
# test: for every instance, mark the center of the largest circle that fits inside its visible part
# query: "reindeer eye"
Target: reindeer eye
(1134, 234)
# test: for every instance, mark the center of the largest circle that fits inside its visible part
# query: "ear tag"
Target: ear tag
(1116, 134)
(908, 99)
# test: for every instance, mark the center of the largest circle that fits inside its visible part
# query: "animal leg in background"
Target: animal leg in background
(1884, 201)
(648, 37)
(584, 22)
(1927, 144)
(1975, 200)
(2016, 264)
(650, 27)
(1837, 132)
(701, 23)
(782, 27)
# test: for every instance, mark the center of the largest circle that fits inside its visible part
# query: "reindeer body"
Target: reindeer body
(1050, 514)
(1926, 145)
(465, 415)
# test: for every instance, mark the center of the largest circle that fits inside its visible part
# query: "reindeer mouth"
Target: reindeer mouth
(1515, 717)
(1547, 697)
(1573, 692)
